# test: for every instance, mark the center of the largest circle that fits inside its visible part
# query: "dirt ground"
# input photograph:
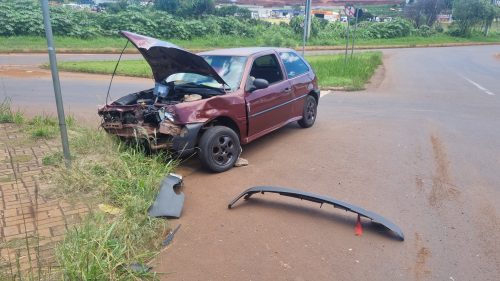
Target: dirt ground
(399, 149)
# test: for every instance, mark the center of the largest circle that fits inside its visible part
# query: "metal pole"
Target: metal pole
(346, 42)
(307, 25)
(354, 33)
(55, 81)
(309, 19)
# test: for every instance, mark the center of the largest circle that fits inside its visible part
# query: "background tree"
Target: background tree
(470, 13)
(202, 7)
(425, 11)
(234, 10)
(170, 6)
(492, 12)
(186, 8)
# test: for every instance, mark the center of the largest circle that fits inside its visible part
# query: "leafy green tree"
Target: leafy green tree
(202, 7)
(118, 6)
(425, 11)
(317, 24)
(170, 6)
(186, 8)
(234, 10)
(470, 13)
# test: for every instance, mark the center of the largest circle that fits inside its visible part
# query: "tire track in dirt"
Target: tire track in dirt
(442, 188)
(422, 272)
(489, 226)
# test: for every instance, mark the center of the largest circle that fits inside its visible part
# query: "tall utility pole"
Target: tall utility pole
(307, 25)
(56, 82)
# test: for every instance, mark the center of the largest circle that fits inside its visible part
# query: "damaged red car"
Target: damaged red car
(213, 102)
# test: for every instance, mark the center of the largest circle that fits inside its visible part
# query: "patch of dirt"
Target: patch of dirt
(497, 56)
(419, 183)
(442, 189)
(423, 253)
(489, 224)
(12, 71)
(378, 77)
(21, 158)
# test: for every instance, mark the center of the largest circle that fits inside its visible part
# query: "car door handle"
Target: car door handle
(288, 90)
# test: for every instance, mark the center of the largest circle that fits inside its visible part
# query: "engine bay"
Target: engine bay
(169, 94)
(153, 105)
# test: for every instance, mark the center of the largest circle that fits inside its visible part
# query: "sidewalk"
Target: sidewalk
(30, 223)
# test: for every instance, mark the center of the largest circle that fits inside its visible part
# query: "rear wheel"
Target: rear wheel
(309, 114)
(219, 148)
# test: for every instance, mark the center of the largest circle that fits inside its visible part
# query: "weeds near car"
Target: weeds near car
(106, 171)
(124, 177)
(7, 115)
(46, 126)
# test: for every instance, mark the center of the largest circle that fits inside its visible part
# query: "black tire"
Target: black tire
(310, 112)
(219, 148)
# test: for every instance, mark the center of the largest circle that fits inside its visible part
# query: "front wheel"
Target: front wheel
(309, 114)
(219, 148)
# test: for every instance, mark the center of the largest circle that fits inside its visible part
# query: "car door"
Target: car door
(268, 108)
(297, 72)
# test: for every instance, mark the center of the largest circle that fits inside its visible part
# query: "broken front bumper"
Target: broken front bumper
(321, 199)
(180, 139)
(185, 142)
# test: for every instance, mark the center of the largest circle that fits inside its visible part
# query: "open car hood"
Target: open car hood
(166, 58)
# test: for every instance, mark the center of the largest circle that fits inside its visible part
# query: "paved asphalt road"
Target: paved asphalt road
(420, 147)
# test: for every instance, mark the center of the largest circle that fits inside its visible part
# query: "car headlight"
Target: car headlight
(164, 114)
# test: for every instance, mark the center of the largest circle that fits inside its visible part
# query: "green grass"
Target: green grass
(107, 171)
(331, 70)
(39, 44)
(124, 177)
(53, 159)
(43, 127)
(7, 115)
(136, 68)
(334, 71)
(115, 44)
(438, 39)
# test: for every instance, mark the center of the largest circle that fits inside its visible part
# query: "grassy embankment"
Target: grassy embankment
(115, 44)
(103, 171)
(331, 69)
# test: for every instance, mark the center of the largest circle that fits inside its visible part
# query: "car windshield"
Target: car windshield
(229, 68)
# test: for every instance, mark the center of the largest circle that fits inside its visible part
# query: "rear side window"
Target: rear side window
(294, 64)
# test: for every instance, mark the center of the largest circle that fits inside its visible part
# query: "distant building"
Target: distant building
(327, 15)
(262, 12)
(444, 18)
(97, 2)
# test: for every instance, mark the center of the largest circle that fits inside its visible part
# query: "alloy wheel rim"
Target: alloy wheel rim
(310, 111)
(223, 150)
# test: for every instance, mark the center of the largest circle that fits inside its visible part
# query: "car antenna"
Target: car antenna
(114, 71)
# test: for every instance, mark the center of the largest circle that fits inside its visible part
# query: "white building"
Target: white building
(97, 2)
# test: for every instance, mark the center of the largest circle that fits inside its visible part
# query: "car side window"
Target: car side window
(294, 64)
(267, 67)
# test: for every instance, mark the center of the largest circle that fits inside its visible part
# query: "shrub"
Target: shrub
(425, 31)
(438, 28)
(23, 17)
(385, 30)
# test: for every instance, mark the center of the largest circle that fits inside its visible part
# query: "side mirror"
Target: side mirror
(260, 84)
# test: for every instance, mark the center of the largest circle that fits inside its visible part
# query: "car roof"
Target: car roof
(245, 52)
